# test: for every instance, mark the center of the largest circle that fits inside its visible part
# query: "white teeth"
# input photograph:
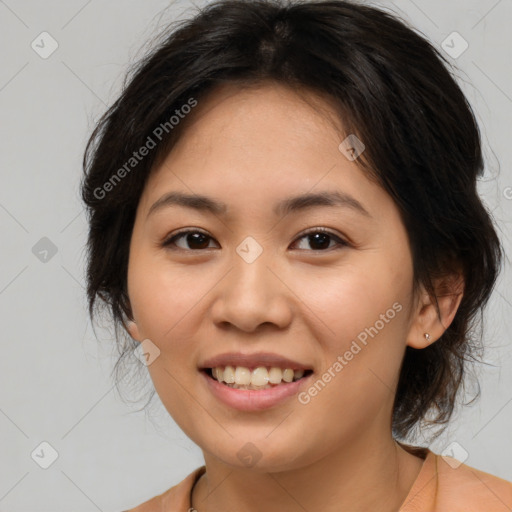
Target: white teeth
(229, 375)
(275, 375)
(288, 375)
(259, 378)
(242, 376)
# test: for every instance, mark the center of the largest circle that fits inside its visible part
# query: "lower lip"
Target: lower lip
(253, 400)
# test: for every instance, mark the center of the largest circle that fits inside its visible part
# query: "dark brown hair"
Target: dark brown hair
(391, 88)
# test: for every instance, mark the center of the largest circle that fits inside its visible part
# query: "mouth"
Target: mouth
(255, 379)
(254, 382)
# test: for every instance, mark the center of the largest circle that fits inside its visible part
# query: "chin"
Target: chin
(258, 454)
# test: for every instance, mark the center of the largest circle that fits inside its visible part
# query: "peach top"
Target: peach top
(443, 485)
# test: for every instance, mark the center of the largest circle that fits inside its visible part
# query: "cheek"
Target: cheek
(361, 314)
(163, 300)
(162, 294)
(359, 325)
(348, 300)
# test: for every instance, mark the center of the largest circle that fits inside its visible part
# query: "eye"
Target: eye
(197, 240)
(320, 237)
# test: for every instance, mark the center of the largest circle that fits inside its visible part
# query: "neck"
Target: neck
(359, 477)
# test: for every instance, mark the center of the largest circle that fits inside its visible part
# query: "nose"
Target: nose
(252, 295)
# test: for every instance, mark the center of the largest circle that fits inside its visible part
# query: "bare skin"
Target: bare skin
(251, 149)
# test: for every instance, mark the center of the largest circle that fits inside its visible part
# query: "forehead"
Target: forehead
(265, 117)
(259, 144)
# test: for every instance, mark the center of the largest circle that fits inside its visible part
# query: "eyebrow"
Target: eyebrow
(284, 207)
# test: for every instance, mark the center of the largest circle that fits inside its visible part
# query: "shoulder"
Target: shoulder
(462, 487)
(444, 484)
(176, 498)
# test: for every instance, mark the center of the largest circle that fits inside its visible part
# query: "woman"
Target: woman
(284, 219)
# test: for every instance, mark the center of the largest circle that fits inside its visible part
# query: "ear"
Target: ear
(449, 292)
(133, 330)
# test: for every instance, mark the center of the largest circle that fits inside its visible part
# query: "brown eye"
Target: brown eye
(320, 239)
(196, 240)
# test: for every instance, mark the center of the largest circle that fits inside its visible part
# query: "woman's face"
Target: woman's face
(253, 289)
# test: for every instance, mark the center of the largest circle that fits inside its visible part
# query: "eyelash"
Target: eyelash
(169, 242)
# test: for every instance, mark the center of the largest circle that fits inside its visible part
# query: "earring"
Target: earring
(427, 336)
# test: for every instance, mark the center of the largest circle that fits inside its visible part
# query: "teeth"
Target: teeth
(298, 374)
(288, 375)
(229, 375)
(242, 376)
(259, 378)
(275, 375)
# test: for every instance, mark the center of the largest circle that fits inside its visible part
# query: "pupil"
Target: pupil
(195, 237)
(325, 237)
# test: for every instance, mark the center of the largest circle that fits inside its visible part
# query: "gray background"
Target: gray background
(54, 374)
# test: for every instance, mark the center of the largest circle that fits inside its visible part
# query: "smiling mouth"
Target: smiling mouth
(241, 377)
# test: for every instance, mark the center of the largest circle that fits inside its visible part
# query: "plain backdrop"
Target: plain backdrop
(55, 384)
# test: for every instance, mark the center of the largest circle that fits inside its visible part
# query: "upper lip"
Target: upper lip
(266, 359)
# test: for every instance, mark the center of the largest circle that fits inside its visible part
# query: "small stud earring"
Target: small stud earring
(427, 336)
